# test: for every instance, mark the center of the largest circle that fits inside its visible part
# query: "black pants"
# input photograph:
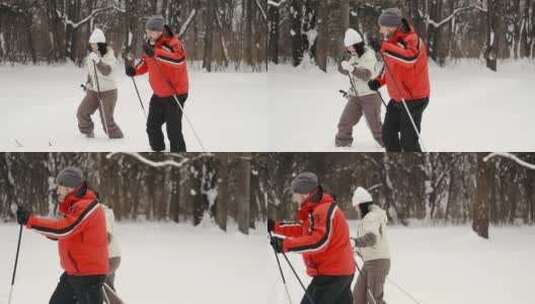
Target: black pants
(166, 110)
(329, 289)
(398, 131)
(78, 290)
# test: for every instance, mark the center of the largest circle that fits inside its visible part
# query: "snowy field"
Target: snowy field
(446, 265)
(471, 109)
(161, 264)
(167, 263)
(287, 109)
(39, 104)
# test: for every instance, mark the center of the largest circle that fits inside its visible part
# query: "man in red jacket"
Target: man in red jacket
(165, 60)
(321, 235)
(82, 240)
(406, 77)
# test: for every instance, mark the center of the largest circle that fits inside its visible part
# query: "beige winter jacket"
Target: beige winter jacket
(373, 224)
(106, 73)
(361, 76)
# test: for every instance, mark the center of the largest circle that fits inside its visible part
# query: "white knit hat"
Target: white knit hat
(97, 36)
(352, 37)
(361, 196)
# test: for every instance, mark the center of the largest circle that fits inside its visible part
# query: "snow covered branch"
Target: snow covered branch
(276, 3)
(92, 15)
(511, 157)
(262, 11)
(187, 23)
(160, 164)
(438, 24)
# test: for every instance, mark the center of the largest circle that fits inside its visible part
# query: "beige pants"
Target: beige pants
(90, 104)
(110, 295)
(370, 106)
(371, 281)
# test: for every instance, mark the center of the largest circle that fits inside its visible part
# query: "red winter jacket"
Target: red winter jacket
(407, 75)
(168, 70)
(81, 233)
(322, 236)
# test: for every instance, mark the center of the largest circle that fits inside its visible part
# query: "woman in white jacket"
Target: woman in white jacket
(114, 258)
(371, 244)
(101, 88)
(360, 67)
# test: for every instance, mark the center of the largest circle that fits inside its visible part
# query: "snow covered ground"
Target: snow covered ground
(446, 265)
(167, 263)
(287, 109)
(471, 109)
(39, 104)
(161, 264)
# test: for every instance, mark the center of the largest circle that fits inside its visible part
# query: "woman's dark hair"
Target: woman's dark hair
(365, 208)
(359, 48)
(102, 48)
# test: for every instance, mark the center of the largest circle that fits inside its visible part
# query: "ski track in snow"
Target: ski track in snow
(168, 263)
(40, 103)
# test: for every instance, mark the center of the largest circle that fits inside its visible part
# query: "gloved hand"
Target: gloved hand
(374, 85)
(346, 65)
(270, 225)
(23, 215)
(148, 49)
(375, 43)
(130, 71)
(94, 57)
(276, 243)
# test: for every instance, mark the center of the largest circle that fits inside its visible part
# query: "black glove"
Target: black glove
(130, 71)
(375, 43)
(148, 49)
(270, 225)
(276, 243)
(23, 215)
(374, 85)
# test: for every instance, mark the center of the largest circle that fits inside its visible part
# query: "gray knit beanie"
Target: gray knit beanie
(155, 23)
(305, 183)
(390, 17)
(70, 177)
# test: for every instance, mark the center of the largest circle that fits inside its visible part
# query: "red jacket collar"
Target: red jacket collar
(308, 205)
(399, 34)
(75, 196)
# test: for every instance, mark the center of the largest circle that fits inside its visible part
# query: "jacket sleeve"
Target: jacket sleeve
(321, 234)
(141, 68)
(171, 53)
(64, 227)
(405, 52)
(288, 229)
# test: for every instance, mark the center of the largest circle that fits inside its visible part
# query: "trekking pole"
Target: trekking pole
(100, 101)
(180, 106)
(410, 296)
(420, 140)
(139, 97)
(282, 273)
(298, 278)
(15, 266)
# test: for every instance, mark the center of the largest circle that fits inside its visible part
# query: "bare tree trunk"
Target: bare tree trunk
(223, 191)
(322, 42)
(244, 196)
(208, 37)
(480, 208)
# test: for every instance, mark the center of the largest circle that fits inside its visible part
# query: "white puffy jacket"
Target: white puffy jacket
(374, 222)
(105, 82)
